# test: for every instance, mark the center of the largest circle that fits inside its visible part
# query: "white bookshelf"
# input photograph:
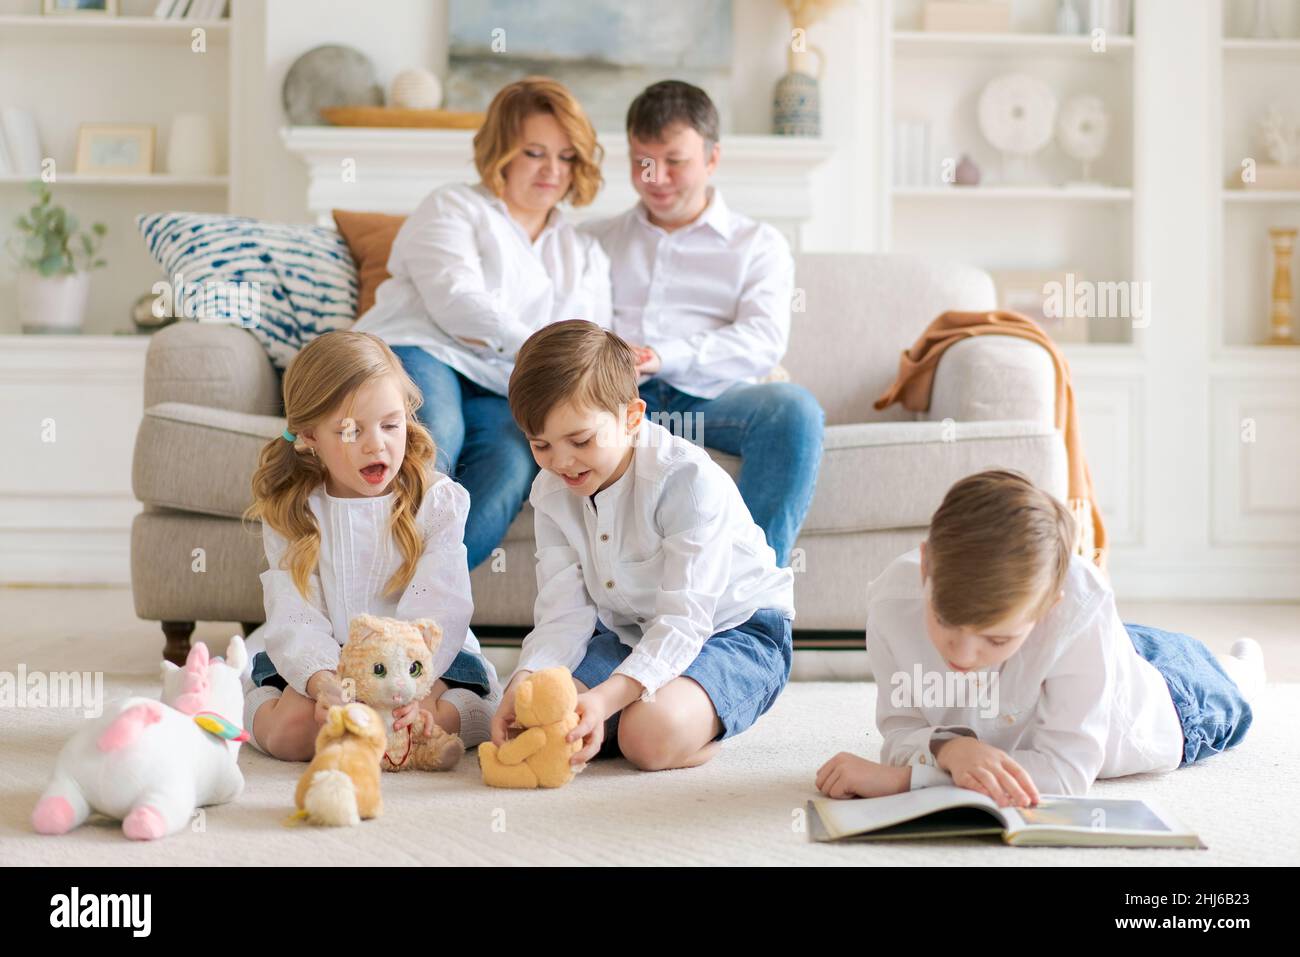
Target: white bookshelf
(1253, 75)
(35, 28)
(151, 181)
(1043, 223)
(142, 71)
(1035, 44)
(1008, 194)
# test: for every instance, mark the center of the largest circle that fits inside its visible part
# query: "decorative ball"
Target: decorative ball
(415, 89)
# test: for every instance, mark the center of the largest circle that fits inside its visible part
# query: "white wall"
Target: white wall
(401, 33)
(270, 36)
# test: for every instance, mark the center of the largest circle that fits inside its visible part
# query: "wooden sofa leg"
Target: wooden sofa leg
(177, 647)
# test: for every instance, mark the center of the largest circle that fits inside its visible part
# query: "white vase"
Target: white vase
(52, 304)
(192, 146)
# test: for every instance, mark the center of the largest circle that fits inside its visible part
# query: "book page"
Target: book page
(861, 815)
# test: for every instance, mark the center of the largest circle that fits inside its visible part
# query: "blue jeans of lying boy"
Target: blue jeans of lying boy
(742, 670)
(479, 446)
(1210, 706)
(466, 671)
(775, 428)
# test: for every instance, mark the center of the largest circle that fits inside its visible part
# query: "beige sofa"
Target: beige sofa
(212, 399)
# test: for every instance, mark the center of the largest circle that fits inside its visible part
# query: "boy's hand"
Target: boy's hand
(503, 722)
(847, 775)
(989, 770)
(592, 711)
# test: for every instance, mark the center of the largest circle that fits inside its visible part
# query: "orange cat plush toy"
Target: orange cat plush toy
(387, 664)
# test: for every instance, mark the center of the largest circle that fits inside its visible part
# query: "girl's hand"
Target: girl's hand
(847, 775)
(424, 723)
(592, 712)
(989, 770)
(503, 722)
(327, 689)
(406, 714)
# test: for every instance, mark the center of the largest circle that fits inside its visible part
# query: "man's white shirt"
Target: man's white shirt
(711, 298)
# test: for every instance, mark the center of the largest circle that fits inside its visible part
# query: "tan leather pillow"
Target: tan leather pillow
(370, 239)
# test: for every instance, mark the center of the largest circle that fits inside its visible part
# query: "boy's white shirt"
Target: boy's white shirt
(358, 556)
(1076, 702)
(667, 557)
(462, 268)
(712, 298)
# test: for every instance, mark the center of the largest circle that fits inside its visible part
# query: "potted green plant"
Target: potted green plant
(54, 258)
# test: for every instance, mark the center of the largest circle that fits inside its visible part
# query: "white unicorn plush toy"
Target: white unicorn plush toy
(149, 764)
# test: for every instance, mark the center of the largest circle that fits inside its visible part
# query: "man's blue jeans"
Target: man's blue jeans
(775, 428)
(479, 446)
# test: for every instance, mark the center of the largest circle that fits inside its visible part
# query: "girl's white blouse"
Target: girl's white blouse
(358, 556)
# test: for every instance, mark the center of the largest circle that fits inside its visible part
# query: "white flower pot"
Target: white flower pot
(53, 304)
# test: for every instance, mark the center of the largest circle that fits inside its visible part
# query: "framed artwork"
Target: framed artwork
(115, 150)
(1028, 293)
(88, 8)
(604, 51)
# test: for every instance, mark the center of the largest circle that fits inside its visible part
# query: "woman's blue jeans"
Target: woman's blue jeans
(479, 446)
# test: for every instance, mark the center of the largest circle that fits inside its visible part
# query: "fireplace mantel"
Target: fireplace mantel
(391, 170)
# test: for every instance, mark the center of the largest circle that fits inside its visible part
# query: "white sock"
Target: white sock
(252, 701)
(475, 715)
(1244, 664)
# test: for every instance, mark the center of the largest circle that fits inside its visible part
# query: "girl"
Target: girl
(356, 521)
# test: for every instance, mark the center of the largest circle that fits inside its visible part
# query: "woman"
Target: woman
(476, 269)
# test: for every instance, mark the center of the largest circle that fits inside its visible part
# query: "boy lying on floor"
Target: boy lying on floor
(1038, 687)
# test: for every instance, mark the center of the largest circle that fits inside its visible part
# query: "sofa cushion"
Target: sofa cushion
(370, 238)
(306, 280)
(874, 476)
(890, 475)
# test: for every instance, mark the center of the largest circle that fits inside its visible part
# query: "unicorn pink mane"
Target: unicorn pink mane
(196, 687)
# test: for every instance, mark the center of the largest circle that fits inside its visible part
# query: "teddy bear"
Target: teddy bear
(545, 704)
(387, 663)
(341, 785)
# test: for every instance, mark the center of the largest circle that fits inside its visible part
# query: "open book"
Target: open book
(959, 812)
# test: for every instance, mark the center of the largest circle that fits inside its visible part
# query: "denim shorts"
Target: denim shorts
(1210, 706)
(466, 671)
(742, 670)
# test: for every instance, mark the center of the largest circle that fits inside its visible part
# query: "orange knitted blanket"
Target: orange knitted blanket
(916, 377)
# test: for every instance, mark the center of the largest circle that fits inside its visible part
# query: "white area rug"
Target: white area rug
(744, 807)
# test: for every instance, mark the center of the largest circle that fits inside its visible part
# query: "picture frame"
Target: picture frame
(112, 149)
(79, 8)
(1022, 291)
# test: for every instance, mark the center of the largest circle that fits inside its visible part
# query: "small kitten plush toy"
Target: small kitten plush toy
(388, 663)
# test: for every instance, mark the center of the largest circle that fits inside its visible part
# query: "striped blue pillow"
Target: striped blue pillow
(306, 279)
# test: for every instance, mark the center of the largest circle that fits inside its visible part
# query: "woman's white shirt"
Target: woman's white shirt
(462, 268)
(358, 556)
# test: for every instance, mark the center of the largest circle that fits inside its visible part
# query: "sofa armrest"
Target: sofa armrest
(994, 377)
(218, 365)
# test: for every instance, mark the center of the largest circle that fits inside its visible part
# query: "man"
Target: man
(702, 294)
